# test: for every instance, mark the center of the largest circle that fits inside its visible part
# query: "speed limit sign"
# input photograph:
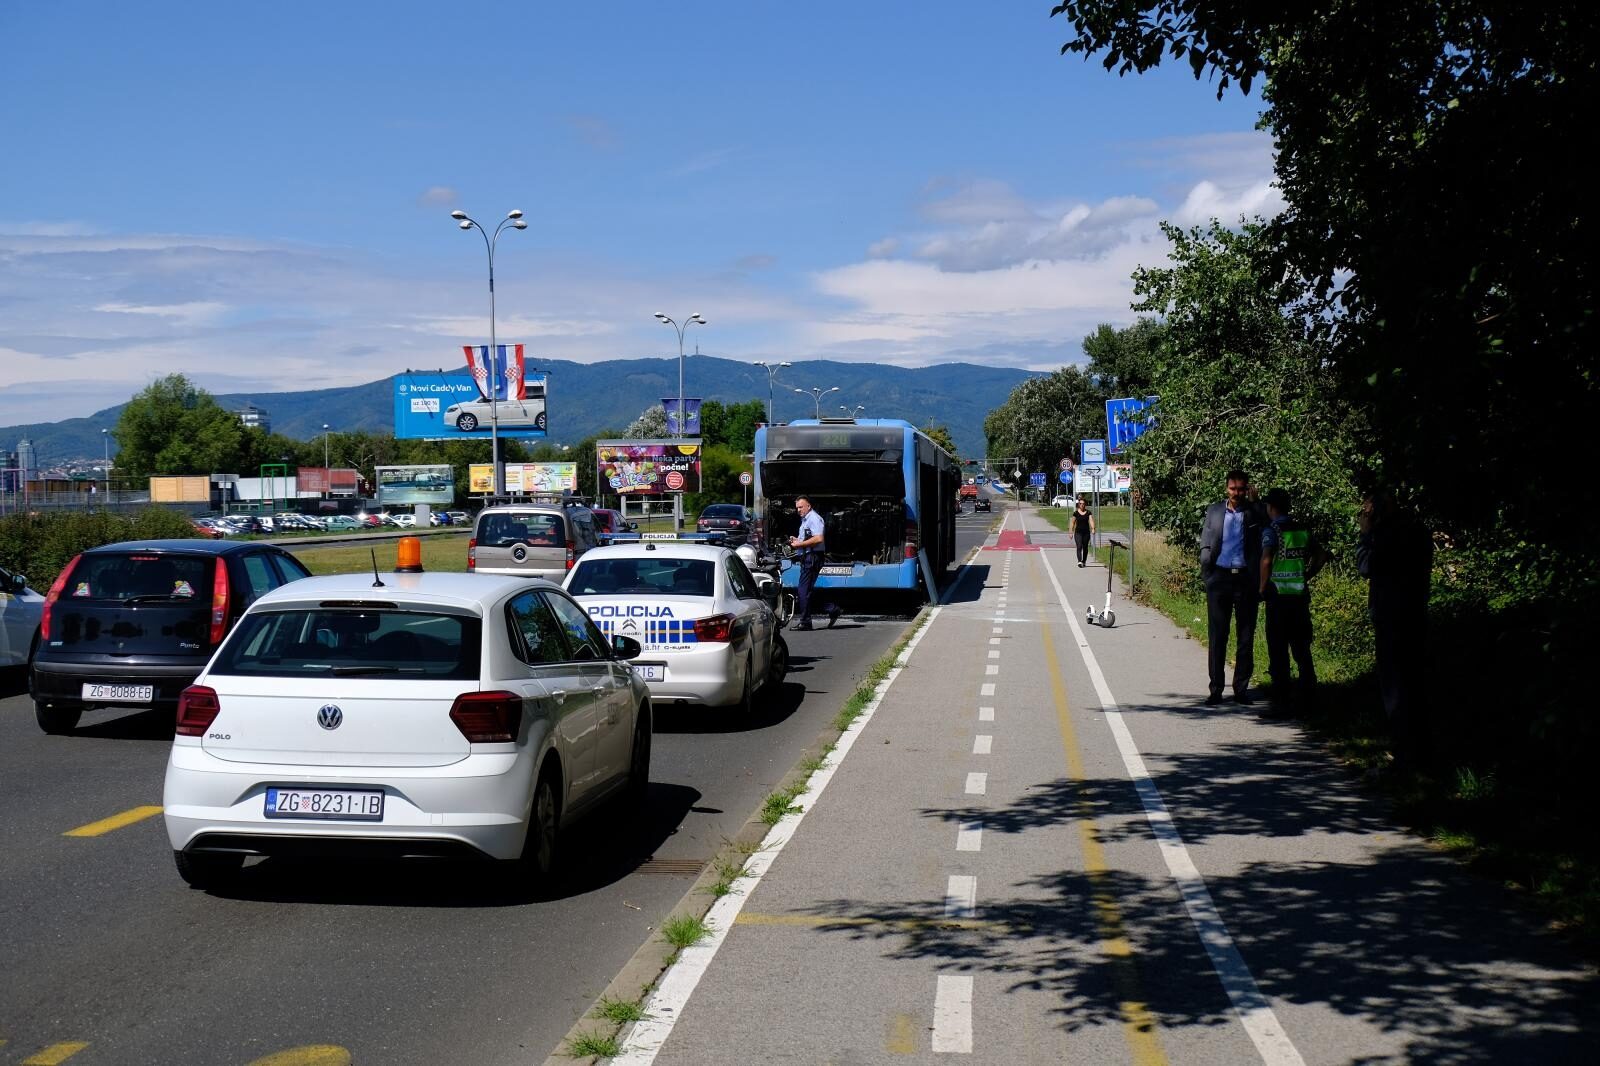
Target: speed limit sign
(745, 478)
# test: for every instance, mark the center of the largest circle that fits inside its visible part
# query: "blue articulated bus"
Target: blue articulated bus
(886, 491)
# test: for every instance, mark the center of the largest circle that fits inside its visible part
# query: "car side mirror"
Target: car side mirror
(18, 583)
(625, 647)
(633, 527)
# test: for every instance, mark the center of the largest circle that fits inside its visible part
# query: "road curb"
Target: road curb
(643, 972)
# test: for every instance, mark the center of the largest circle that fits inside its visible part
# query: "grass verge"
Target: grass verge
(594, 1045)
(441, 553)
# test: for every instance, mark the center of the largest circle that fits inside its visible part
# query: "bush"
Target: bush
(1340, 626)
(39, 545)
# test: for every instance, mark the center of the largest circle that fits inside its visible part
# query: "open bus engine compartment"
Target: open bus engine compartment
(869, 529)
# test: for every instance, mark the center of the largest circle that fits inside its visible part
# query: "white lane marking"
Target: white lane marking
(671, 995)
(977, 784)
(961, 897)
(987, 689)
(985, 714)
(998, 628)
(969, 836)
(982, 743)
(952, 1015)
(994, 655)
(1255, 1013)
(991, 669)
(994, 640)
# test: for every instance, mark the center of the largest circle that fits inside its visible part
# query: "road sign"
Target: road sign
(1126, 420)
(1036, 480)
(1066, 464)
(1091, 452)
(745, 478)
(1066, 476)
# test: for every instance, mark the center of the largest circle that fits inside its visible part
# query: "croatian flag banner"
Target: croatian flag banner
(503, 374)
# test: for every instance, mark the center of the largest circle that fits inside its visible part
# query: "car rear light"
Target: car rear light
(198, 707)
(572, 554)
(736, 524)
(488, 717)
(472, 555)
(911, 540)
(718, 629)
(54, 595)
(219, 601)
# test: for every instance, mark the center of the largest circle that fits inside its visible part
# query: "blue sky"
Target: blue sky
(258, 196)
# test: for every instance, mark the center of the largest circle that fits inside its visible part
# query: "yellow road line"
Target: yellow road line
(1138, 1022)
(902, 1035)
(116, 821)
(54, 1055)
(310, 1055)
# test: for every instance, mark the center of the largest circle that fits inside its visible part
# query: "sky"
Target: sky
(258, 196)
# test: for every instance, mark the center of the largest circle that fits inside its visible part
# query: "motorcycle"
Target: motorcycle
(768, 572)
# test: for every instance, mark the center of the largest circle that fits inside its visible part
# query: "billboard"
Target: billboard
(648, 467)
(440, 406)
(1112, 477)
(525, 478)
(691, 410)
(400, 485)
(336, 481)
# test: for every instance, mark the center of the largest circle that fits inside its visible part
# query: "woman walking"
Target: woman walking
(1082, 530)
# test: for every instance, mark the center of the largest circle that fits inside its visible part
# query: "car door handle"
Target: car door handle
(559, 695)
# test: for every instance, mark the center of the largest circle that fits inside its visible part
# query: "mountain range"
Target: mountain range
(590, 398)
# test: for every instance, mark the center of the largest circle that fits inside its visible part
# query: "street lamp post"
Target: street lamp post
(771, 371)
(853, 414)
(694, 319)
(105, 440)
(327, 475)
(816, 396)
(514, 220)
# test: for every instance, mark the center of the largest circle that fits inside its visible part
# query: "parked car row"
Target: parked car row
(217, 527)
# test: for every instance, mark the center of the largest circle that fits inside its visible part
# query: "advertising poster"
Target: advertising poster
(1113, 477)
(401, 485)
(521, 479)
(691, 408)
(648, 467)
(440, 406)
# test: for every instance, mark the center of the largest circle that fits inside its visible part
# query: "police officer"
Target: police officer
(810, 546)
(1288, 560)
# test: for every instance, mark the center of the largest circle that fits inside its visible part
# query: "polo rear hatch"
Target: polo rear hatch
(339, 686)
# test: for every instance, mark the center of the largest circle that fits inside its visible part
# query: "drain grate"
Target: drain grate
(673, 867)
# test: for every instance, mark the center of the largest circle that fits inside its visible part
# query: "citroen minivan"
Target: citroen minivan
(531, 539)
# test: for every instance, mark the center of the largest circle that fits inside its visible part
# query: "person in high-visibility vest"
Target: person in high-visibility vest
(1288, 560)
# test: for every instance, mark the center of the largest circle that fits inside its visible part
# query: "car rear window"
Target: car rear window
(725, 510)
(504, 530)
(642, 577)
(308, 642)
(141, 577)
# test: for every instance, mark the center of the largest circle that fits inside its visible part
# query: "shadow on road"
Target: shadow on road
(597, 851)
(771, 708)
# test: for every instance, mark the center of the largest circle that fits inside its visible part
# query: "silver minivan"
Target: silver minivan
(531, 539)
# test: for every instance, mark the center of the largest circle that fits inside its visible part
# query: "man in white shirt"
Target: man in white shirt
(810, 546)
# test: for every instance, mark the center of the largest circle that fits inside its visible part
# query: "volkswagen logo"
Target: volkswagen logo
(329, 716)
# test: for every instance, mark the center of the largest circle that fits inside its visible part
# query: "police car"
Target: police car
(708, 635)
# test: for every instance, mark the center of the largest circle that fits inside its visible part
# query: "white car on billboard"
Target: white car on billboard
(471, 415)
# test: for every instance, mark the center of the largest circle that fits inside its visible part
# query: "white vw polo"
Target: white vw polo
(407, 714)
(707, 634)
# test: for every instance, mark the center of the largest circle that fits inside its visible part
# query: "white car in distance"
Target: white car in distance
(437, 715)
(1064, 501)
(708, 635)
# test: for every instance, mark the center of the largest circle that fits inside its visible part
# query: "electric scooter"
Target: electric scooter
(1105, 618)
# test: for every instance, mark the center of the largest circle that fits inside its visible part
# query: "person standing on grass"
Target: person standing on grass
(810, 546)
(1288, 561)
(1230, 560)
(1082, 530)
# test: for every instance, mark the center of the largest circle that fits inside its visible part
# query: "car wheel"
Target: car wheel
(467, 423)
(778, 667)
(539, 851)
(206, 870)
(538, 420)
(639, 764)
(746, 702)
(56, 721)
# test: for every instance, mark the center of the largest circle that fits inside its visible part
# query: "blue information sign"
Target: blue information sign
(1091, 452)
(1036, 480)
(1126, 419)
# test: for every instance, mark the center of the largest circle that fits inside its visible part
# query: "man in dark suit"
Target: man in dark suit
(1230, 566)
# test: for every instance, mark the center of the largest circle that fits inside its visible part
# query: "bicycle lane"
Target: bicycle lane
(983, 876)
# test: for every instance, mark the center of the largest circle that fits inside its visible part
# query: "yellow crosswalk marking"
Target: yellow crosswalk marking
(55, 1054)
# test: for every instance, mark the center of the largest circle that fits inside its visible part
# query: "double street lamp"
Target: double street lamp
(853, 414)
(695, 319)
(816, 396)
(771, 369)
(492, 380)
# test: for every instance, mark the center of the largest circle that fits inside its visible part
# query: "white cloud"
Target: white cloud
(438, 196)
(195, 312)
(1207, 201)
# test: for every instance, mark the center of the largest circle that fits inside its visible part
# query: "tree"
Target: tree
(941, 436)
(651, 424)
(171, 427)
(1123, 362)
(732, 424)
(1043, 419)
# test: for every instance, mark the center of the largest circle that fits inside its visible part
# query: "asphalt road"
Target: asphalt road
(104, 946)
